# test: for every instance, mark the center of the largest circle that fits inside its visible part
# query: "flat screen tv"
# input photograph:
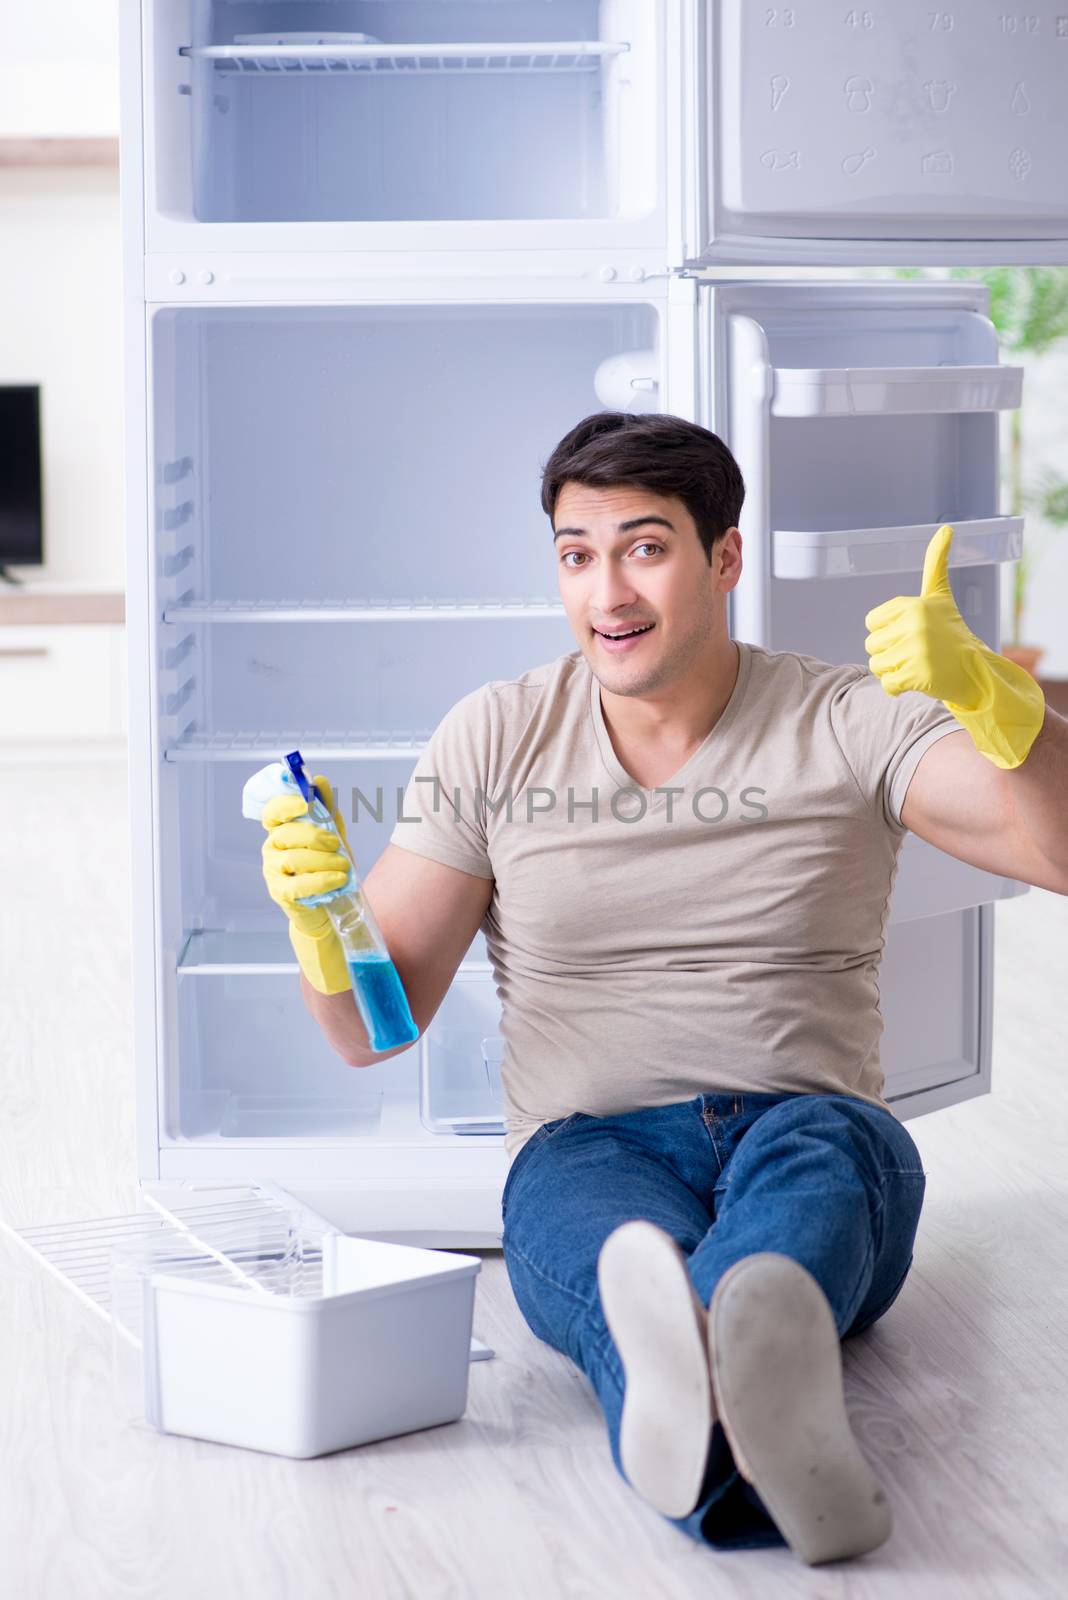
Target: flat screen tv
(21, 531)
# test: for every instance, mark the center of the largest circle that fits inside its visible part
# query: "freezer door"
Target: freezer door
(838, 133)
(823, 393)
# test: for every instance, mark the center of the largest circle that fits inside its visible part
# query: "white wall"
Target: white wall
(60, 326)
(59, 68)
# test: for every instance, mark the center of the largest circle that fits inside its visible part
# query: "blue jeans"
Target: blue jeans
(830, 1180)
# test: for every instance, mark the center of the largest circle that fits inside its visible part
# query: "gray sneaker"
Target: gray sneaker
(776, 1366)
(658, 1325)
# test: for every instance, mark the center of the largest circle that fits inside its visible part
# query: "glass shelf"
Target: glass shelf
(219, 952)
(293, 1116)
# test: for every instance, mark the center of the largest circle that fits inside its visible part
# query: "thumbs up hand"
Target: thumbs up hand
(922, 642)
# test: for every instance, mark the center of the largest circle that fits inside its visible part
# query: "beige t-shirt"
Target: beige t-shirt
(722, 932)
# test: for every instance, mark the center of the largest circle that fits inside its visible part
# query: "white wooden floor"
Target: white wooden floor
(959, 1395)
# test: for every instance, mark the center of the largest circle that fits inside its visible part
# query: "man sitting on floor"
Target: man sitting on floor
(681, 849)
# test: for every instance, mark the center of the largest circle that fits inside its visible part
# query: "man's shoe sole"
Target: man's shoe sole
(658, 1325)
(776, 1366)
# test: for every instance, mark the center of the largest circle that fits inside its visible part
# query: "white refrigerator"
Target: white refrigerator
(379, 256)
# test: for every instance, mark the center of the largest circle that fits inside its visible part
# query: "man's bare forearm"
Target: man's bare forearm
(340, 1021)
(1037, 788)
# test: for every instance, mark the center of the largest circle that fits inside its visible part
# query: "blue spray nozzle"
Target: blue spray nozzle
(295, 762)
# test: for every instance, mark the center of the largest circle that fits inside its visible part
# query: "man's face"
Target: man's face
(627, 559)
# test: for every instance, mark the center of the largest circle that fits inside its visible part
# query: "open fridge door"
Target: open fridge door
(841, 134)
(824, 393)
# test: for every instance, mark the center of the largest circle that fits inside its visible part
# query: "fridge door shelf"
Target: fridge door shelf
(891, 391)
(356, 609)
(302, 57)
(811, 469)
(857, 551)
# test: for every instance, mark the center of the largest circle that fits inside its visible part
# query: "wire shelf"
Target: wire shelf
(303, 59)
(358, 609)
(337, 744)
(244, 1239)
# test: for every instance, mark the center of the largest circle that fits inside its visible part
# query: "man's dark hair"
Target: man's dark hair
(661, 453)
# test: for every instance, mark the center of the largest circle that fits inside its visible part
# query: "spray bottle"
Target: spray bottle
(376, 985)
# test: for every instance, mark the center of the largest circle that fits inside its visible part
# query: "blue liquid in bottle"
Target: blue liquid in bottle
(381, 1001)
(376, 985)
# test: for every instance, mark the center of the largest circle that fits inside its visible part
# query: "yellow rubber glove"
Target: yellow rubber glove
(922, 642)
(299, 859)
